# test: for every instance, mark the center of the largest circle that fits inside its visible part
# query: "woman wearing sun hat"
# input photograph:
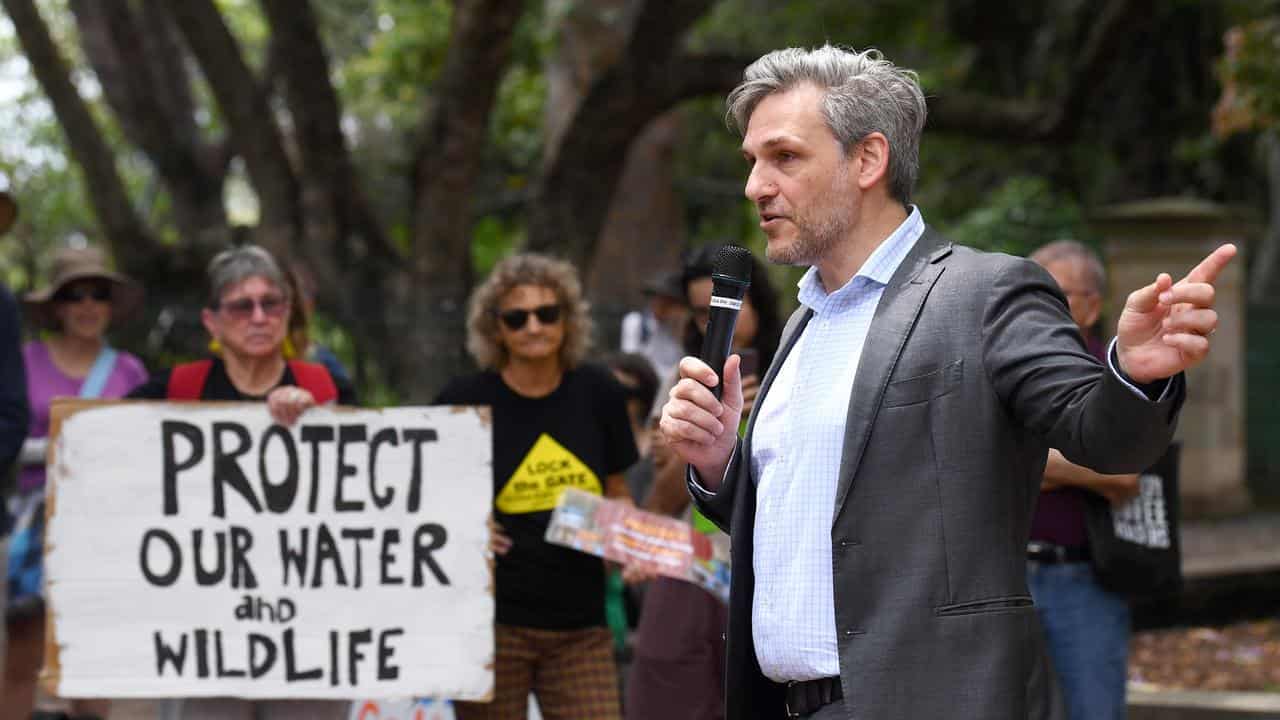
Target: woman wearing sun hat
(72, 358)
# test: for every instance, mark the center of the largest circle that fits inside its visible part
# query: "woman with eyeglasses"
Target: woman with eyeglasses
(247, 317)
(71, 358)
(557, 422)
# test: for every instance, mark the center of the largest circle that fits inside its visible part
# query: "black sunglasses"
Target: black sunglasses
(80, 293)
(516, 318)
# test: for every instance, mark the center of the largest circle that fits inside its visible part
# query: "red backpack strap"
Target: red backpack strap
(315, 379)
(186, 381)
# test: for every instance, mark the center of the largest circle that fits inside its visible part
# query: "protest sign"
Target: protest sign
(618, 531)
(203, 550)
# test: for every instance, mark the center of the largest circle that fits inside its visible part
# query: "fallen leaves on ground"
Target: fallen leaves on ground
(1244, 656)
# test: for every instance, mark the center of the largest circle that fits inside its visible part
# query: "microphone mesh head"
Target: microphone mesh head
(733, 262)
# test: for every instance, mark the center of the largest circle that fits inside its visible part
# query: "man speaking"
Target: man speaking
(880, 500)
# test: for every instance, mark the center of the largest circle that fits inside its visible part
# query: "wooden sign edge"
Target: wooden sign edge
(61, 409)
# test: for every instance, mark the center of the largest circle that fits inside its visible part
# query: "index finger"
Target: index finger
(692, 367)
(1208, 269)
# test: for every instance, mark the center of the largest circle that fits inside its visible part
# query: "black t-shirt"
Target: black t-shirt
(574, 437)
(217, 386)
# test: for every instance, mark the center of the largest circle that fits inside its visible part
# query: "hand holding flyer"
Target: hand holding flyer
(619, 532)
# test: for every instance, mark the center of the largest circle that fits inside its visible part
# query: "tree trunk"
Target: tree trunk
(643, 230)
(454, 132)
(345, 244)
(254, 134)
(142, 74)
(573, 195)
(132, 245)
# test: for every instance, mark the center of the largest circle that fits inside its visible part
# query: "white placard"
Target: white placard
(202, 550)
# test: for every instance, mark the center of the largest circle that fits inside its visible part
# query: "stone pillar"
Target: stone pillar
(1171, 235)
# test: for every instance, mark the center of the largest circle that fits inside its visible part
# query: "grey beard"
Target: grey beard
(812, 242)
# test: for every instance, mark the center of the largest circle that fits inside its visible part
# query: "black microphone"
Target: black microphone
(730, 277)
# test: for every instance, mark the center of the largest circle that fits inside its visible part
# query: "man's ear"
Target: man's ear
(872, 160)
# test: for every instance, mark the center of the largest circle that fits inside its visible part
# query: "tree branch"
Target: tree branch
(1008, 119)
(695, 75)
(129, 239)
(453, 134)
(153, 105)
(327, 171)
(447, 161)
(252, 127)
(573, 194)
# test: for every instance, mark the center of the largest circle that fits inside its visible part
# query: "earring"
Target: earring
(215, 347)
(288, 350)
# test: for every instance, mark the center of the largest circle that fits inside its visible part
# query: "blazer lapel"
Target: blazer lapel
(894, 318)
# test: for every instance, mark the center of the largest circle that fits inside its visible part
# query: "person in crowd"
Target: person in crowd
(247, 317)
(635, 373)
(13, 407)
(678, 666)
(557, 422)
(880, 501)
(13, 378)
(82, 299)
(13, 394)
(303, 284)
(1086, 626)
(654, 332)
(640, 383)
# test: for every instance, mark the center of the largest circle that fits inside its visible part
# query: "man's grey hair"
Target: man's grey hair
(234, 266)
(865, 93)
(1059, 250)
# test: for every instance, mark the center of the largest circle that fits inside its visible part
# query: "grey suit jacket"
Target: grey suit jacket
(972, 369)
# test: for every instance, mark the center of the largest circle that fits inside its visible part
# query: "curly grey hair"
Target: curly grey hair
(865, 93)
(527, 269)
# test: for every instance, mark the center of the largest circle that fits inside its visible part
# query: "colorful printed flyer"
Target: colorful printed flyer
(619, 532)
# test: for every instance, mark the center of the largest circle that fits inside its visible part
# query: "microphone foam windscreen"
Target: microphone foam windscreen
(734, 262)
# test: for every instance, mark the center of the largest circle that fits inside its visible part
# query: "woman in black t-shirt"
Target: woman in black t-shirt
(556, 423)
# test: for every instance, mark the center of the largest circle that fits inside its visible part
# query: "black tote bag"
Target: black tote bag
(1135, 548)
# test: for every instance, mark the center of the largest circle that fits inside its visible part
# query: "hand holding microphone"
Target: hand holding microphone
(700, 421)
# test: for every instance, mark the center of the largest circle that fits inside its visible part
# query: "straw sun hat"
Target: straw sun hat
(72, 264)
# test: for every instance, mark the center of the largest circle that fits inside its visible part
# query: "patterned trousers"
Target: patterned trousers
(571, 673)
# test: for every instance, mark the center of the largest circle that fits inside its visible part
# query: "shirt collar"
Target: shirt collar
(877, 269)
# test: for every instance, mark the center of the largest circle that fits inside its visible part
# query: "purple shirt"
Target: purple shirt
(1059, 517)
(46, 382)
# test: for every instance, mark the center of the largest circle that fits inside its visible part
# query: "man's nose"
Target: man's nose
(759, 185)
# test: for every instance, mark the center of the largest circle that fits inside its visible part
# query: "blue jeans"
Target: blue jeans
(1087, 630)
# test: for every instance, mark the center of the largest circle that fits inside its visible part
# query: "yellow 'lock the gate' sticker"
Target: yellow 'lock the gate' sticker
(544, 473)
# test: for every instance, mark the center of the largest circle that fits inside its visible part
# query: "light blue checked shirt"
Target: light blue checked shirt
(795, 455)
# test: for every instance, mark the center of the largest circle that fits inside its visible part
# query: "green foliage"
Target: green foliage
(387, 76)
(493, 239)
(1020, 215)
(1251, 76)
